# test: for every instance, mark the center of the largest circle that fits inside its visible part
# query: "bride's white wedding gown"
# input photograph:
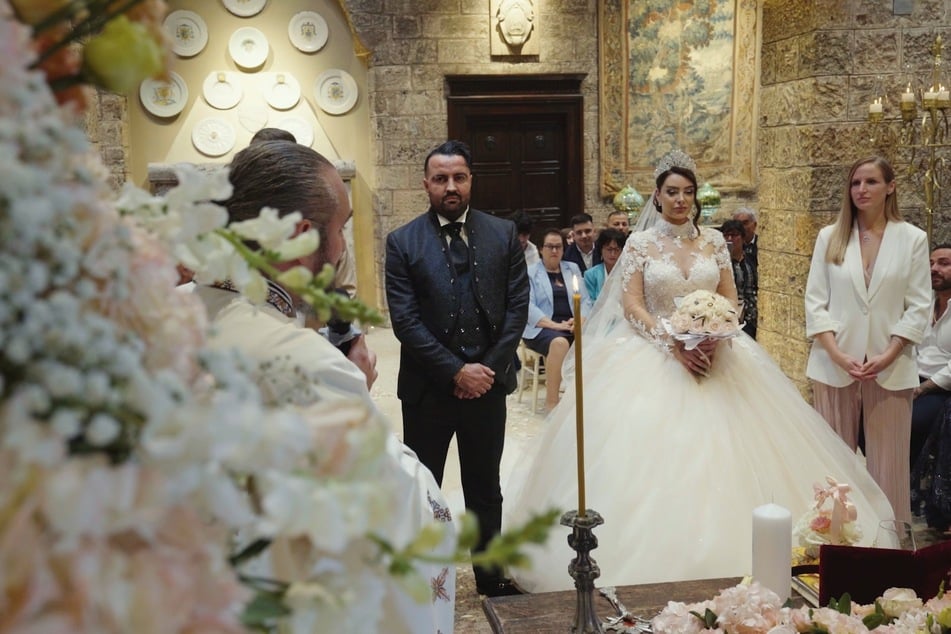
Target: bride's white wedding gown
(676, 464)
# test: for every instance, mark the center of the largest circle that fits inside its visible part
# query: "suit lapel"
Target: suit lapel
(853, 260)
(883, 262)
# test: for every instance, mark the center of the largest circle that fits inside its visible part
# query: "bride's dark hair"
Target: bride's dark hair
(690, 176)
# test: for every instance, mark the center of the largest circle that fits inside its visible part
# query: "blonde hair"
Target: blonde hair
(835, 253)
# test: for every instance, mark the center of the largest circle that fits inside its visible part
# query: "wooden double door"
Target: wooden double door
(526, 135)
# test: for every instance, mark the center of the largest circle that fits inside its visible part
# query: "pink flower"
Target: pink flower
(820, 524)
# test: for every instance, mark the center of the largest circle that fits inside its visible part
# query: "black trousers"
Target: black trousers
(925, 414)
(479, 427)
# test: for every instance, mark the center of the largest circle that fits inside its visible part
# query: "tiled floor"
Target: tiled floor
(523, 425)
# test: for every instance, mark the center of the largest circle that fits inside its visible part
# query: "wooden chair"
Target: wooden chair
(533, 370)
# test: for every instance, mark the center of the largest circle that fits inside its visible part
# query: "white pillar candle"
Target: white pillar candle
(772, 548)
(875, 108)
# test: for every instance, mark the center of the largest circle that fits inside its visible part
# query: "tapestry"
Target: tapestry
(678, 75)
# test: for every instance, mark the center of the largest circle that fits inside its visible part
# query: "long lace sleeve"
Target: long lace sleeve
(634, 300)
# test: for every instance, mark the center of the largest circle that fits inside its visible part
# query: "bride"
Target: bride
(681, 445)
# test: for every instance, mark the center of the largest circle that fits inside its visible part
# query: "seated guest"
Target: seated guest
(744, 274)
(933, 355)
(582, 251)
(551, 315)
(609, 245)
(523, 224)
(619, 220)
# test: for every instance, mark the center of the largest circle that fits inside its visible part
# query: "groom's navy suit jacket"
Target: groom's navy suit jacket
(424, 306)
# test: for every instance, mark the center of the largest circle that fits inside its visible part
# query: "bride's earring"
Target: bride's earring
(656, 204)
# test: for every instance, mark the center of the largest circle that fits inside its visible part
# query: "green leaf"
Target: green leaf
(871, 621)
(264, 609)
(250, 551)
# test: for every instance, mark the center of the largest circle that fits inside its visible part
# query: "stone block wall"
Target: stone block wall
(107, 126)
(414, 44)
(823, 61)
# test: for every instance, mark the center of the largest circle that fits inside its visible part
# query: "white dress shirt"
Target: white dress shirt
(934, 352)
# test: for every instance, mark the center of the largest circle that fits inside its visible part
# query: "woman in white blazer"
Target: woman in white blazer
(867, 302)
(551, 311)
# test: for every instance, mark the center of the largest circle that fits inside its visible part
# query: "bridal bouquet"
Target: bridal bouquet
(702, 315)
(753, 609)
(831, 520)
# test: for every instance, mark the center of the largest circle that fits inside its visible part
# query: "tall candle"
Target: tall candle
(772, 548)
(579, 398)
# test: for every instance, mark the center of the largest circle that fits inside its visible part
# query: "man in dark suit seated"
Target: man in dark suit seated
(457, 291)
(581, 251)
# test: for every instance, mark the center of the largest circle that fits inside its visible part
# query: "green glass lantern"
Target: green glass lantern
(630, 202)
(709, 199)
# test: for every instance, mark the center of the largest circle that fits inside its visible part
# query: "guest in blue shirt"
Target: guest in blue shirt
(609, 244)
(551, 315)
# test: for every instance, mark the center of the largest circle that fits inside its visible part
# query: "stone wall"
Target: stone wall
(107, 126)
(822, 63)
(414, 44)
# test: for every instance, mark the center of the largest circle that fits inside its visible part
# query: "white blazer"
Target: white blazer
(541, 303)
(896, 302)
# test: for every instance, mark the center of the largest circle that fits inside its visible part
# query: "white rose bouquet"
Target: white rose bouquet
(703, 315)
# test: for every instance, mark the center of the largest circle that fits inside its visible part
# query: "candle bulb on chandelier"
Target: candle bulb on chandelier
(579, 397)
(908, 96)
(876, 106)
(944, 97)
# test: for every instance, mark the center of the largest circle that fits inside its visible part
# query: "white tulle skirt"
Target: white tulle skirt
(676, 465)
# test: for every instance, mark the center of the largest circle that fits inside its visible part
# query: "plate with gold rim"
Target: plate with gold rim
(335, 91)
(187, 31)
(308, 31)
(244, 8)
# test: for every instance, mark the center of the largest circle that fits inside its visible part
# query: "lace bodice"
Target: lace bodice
(663, 257)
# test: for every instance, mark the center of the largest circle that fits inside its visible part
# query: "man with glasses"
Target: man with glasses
(458, 296)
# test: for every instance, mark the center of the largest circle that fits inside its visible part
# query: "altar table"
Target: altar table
(555, 611)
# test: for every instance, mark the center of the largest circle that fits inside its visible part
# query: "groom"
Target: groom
(457, 290)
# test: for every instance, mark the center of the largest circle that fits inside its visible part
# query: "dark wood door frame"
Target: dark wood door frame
(488, 95)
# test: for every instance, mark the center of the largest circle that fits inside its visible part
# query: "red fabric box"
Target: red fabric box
(865, 573)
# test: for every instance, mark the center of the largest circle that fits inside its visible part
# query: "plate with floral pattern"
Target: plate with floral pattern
(336, 91)
(187, 31)
(244, 8)
(164, 98)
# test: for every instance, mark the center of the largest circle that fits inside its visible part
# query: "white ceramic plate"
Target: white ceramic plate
(302, 130)
(336, 91)
(308, 31)
(244, 8)
(284, 92)
(248, 47)
(252, 116)
(213, 136)
(164, 98)
(187, 31)
(222, 89)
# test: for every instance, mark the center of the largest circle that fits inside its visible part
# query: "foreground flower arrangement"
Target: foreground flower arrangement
(749, 608)
(149, 485)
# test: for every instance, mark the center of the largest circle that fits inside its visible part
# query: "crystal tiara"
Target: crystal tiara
(675, 158)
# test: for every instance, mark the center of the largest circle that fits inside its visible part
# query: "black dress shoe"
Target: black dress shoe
(504, 588)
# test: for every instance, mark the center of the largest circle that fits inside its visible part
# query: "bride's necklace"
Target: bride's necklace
(684, 230)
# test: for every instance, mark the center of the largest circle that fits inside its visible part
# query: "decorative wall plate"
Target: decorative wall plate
(244, 8)
(252, 116)
(336, 91)
(308, 31)
(284, 93)
(187, 31)
(213, 136)
(222, 89)
(164, 98)
(302, 130)
(248, 47)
